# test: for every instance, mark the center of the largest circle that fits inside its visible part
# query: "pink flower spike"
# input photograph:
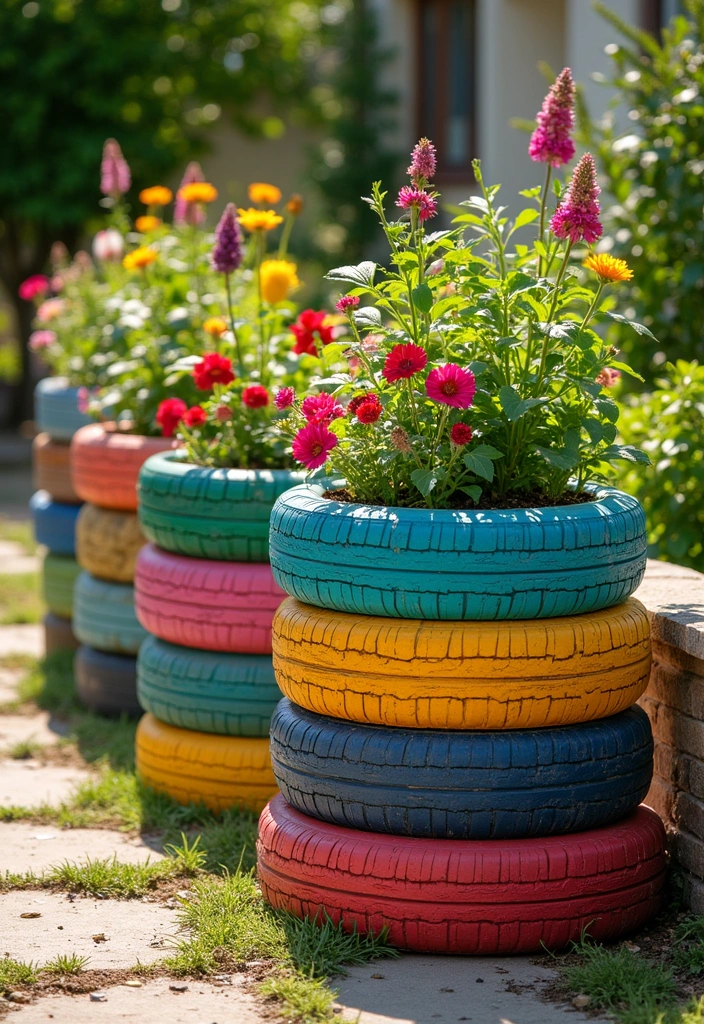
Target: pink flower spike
(423, 162)
(41, 339)
(284, 398)
(577, 216)
(347, 303)
(115, 178)
(312, 445)
(550, 143)
(451, 385)
(411, 196)
(184, 212)
(227, 251)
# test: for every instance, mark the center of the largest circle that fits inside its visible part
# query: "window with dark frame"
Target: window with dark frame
(657, 14)
(446, 104)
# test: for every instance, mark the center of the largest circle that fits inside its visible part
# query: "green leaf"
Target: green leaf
(474, 491)
(562, 458)
(480, 461)
(514, 406)
(425, 480)
(625, 368)
(488, 452)
(525, 217)
(540, 249)
(367, 316)
(638, 328)
(628, 452)
(595, 429)
(362, 274)
(531, 193)
(608, 408)
(423, 298)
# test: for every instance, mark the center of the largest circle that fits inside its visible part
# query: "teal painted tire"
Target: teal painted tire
(438, 564)
(59, 574)
(209, 513)
(56, 409)
(104, 616)
(229, 694)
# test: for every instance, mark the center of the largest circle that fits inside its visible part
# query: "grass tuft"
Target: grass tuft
(20, 599)
(109, 877)
(16, 972)
(25, 749)
(688, 952)
(302, 998)
(68, 963)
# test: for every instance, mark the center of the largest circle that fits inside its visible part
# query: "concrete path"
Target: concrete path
(25, 847)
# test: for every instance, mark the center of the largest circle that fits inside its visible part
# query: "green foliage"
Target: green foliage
(669, 424)
(688, 951)
(20, 599)
(654, 168)
(66, 963)
(16, 972)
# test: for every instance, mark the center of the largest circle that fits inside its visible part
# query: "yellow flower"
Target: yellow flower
(215, 326)
(263, 194)
(259, 220)
(139, 258)
(198, 192)
(157, 195)
(147, 223)
(278, 279)
(608, 268)
(295, 204)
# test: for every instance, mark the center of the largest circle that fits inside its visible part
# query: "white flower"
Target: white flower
(108, 245)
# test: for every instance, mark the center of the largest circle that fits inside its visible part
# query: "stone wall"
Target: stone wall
(674, 700)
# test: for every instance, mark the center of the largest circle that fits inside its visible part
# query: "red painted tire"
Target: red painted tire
(465, 896)
(105, 464)
(214, 606)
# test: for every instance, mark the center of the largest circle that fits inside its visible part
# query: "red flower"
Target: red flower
(255, 396)
(451, 385)
(35, 285)
(196, 416)
(305, 329)
(169, 414)
(321, 408)
(312, 445)
(370, 410)
(403, 361)
(461, 434)
(355, 403)
(284, 398)
(347, 303)
(213, 369)
(223, 413)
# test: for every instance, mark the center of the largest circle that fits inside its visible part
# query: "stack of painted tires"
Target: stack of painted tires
(459, 752)
(105, 464)
(205, 594)
(55, 505)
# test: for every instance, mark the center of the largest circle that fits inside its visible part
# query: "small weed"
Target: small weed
(688, 953)
(25, 749)
(302, 997)
(188, 858)
(68, 963)
(15, 972)
(109, 877)
(20, 599)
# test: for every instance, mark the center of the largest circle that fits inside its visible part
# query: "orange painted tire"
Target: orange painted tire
(462, 675)
(105, 464)
(52, 472)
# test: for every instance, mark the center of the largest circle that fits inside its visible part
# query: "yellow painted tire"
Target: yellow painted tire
(462, 675)
(200, 767)
(108, 542)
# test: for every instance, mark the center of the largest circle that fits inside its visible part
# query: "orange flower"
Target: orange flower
(156, 195)
(198, 192)
(139, 258)
(263, 194)
(259, 220)
(147, 223)
(295, 204)
(608, 268)
(215, 326)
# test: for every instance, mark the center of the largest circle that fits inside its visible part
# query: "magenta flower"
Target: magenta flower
(347, 303)
(312, 445)
(423, 162)
(451, 385)
(284, 398)
(577, 216)
(115, 177)
(410, 196)
(34, 287)
(550, 143)
(227, 251)
(41, 339)
(185, 212)
(321, 408)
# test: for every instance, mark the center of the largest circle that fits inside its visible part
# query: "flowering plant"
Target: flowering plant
(476, 375)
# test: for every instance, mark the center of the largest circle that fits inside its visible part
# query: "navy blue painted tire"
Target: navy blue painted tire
(104, 615)
(56, 409)
(54, 523)
(107, 683)
(435, 564)
(462, 785)
(229, 694)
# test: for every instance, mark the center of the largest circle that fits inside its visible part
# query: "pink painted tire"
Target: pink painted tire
(105, 464)
(211, 605)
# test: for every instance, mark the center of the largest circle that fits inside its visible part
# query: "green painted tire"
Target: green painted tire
(104, 615)
(59, 574)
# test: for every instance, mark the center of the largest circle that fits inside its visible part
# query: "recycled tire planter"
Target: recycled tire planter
(462, 675)
(510, 784)
(229, 694)
(56, 409)
(104, 617)
(54, 523)
(51, 467)
(210, 605)
(58, 634)
(105, 464)
(108, 542)
(470, 897)
(198, 767)
(59, 573)
(458, 564)
(210, 513)
(106, 683)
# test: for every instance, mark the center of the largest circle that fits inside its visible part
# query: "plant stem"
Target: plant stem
(285, 236)
(590, 311)
(543, 207)
(553, 307)
(232, 325)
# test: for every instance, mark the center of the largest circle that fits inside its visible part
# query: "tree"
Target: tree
(153, 75)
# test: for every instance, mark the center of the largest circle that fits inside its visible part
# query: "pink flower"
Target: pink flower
(41, 339)
(223, 413)
(108, 246)
(185, 212)
(608, 377)
(115, 177)
(284, 398)
(347, 303)
(312, 445)
(227, 251)
(577, 216)
(550, 143)
(83, 397)
(451, 385)
(410, 196)
(403, 361)
(321, 408)
(34, 287)
(423, 162)
(50, 309)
